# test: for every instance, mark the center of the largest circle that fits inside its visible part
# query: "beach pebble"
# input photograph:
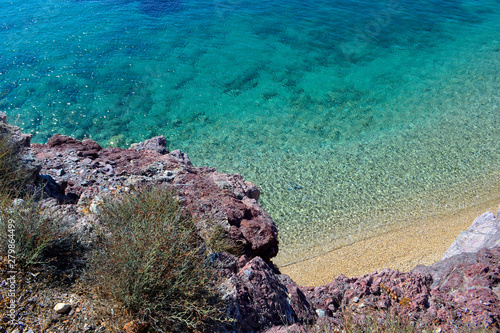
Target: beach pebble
(62, 308)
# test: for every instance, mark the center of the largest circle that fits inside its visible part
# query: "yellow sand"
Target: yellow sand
(401, 249)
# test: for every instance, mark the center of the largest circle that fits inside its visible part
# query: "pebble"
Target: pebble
(60, 172)
(62, 308)
(321, 313)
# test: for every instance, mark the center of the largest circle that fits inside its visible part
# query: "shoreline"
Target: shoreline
(400, 249)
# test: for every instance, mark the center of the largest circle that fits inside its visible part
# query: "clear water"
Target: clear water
(352, 116)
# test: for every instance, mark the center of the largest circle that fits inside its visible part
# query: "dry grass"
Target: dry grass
(221, 242)
(354, 323)
(13, 175)
(152, 261)
(25, 232)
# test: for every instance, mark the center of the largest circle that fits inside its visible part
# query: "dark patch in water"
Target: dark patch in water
(293, 186)
(246, 81)
(6, 89)
(159, 8)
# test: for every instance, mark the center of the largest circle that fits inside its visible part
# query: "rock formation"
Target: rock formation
(81, 172)
(483, 233)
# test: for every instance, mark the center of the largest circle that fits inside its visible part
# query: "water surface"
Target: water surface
(352, 116)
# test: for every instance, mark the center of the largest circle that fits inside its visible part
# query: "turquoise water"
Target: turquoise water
(351, 116)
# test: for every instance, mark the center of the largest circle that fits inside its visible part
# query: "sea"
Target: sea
(354, 117)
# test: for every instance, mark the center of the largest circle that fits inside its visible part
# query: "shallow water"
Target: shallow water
(352, 116)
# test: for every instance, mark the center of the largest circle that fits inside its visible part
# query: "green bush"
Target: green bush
(152, 261)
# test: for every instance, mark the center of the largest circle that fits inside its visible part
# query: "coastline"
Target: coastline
(253, 295)
(401, 249)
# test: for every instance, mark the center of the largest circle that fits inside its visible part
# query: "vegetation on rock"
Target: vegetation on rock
(12, 174)
(152, 261)
(26, 233)
(221, 242)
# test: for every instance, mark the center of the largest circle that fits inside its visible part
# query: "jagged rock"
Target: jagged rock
(440, 268)
(158, 144)
(85, 148)
(14, 133)
(467, 293)
(21, 144)
(259, 299)
(83, 170)
(461, 289)
(483, 233)
(299, 302)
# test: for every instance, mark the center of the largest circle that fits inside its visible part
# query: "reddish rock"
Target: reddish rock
(259, 299)
(135, 326)
(82, 169)
(84, 148)
(158, 144)
(20, 143)
(466, 294)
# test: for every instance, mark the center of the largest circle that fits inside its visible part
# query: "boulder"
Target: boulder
(483, 233)
(19, 139)
(158, 144)
(260, 300)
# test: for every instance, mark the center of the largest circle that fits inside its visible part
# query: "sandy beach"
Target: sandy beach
(400, 249)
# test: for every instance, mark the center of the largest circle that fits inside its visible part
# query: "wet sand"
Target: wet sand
(400, 249)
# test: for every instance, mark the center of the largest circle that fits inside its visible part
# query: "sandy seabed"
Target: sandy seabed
(400, 249)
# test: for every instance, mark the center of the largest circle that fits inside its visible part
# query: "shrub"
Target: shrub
(152, 261)
(221, 242)
(34, 233)
(21, 218)
(12, 174)
(392, 323)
